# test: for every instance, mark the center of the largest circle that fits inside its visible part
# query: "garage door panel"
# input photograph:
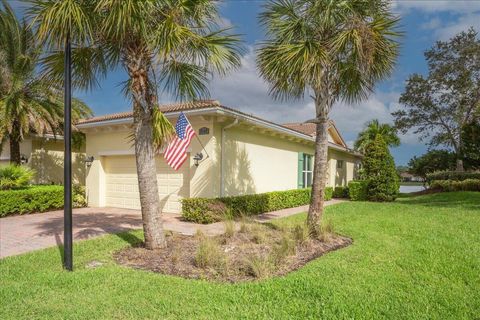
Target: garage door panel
(122, 184)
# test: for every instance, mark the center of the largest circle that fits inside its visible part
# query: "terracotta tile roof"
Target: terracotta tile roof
(192, 105)
(200, 104)
(306, 128)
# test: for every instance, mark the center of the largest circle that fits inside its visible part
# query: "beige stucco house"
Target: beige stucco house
(44, 154)
(241, 154)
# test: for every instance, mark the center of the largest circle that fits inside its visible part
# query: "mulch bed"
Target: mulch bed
(236, 255)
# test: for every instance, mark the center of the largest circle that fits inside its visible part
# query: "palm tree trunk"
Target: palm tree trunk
(147, 183)
(137, 62)
(15, 151)
(15, 138)
(459, 152)
(315, 211)
(460, 167)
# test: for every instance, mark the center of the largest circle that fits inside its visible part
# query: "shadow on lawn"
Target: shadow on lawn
(461, 200)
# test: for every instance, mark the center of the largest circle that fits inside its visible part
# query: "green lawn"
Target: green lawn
(418, 258)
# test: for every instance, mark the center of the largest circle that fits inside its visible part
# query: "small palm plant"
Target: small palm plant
(330, 50)
(15, 177)
(172, 44)
(373, 129)
(28, 102)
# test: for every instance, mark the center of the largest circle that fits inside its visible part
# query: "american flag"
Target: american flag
(176, 152)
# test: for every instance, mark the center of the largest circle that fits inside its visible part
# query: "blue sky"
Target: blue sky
(423, 22)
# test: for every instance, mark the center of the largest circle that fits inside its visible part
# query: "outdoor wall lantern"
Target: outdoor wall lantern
(198, 157)
(89, 161)
(23, 159)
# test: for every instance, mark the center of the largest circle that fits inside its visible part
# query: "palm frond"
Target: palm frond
(57, 19)
(346, 46)
(163, 130)
(184, 80)
(89, 65)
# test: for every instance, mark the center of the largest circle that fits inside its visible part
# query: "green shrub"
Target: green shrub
(203, 210)
(79, 197)
(15, 177)
(452, 185)
(328, 193)
(357, 190)
(380, 172)
(37, 199)
(340, 192)
(452, 175)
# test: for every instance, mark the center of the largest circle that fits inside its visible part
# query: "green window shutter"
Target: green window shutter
(300, 171)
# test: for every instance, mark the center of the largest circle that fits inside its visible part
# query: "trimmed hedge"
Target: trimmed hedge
(37, 199)
(452, 185)
(203, 210)
(357, 190)
(452, 175)
(340, 192)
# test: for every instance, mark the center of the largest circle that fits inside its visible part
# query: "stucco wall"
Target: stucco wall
(25, 149)
(340, 176)
(45, 156)
(117, 141)
(47, 159)
(256, 162)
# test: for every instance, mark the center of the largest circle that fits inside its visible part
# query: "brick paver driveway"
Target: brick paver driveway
(20, 234)
(24, 233)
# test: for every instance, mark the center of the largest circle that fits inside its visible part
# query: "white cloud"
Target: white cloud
(430, 6)
(462, 23)
(462, 15)
(432, 24)
(246, 91)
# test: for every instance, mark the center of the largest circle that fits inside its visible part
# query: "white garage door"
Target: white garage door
(122, 185)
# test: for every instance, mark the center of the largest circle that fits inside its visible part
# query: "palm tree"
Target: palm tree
(373, 129)
(175, 44)
(330, 50)
(28, 103)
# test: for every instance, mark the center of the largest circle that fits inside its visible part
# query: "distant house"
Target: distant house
(243, 154)
(408, 177)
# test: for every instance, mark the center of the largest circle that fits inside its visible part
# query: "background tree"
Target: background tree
(28, 103)
(439, 105)
(177, 42)
(379, 171)
(373, 129)
(433, 160)
(330, 50)
(471, 145)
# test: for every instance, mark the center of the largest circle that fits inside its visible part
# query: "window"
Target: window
(307, 172)
(339, 164)
(203, 131)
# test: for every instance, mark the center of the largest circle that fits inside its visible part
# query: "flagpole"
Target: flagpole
(67, 165)
(201, 144)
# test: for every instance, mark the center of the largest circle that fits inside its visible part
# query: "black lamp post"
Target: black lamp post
(67, 165)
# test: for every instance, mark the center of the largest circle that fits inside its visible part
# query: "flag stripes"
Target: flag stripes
(176, 152)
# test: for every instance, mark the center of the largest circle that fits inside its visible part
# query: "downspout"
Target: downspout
(222, 156)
